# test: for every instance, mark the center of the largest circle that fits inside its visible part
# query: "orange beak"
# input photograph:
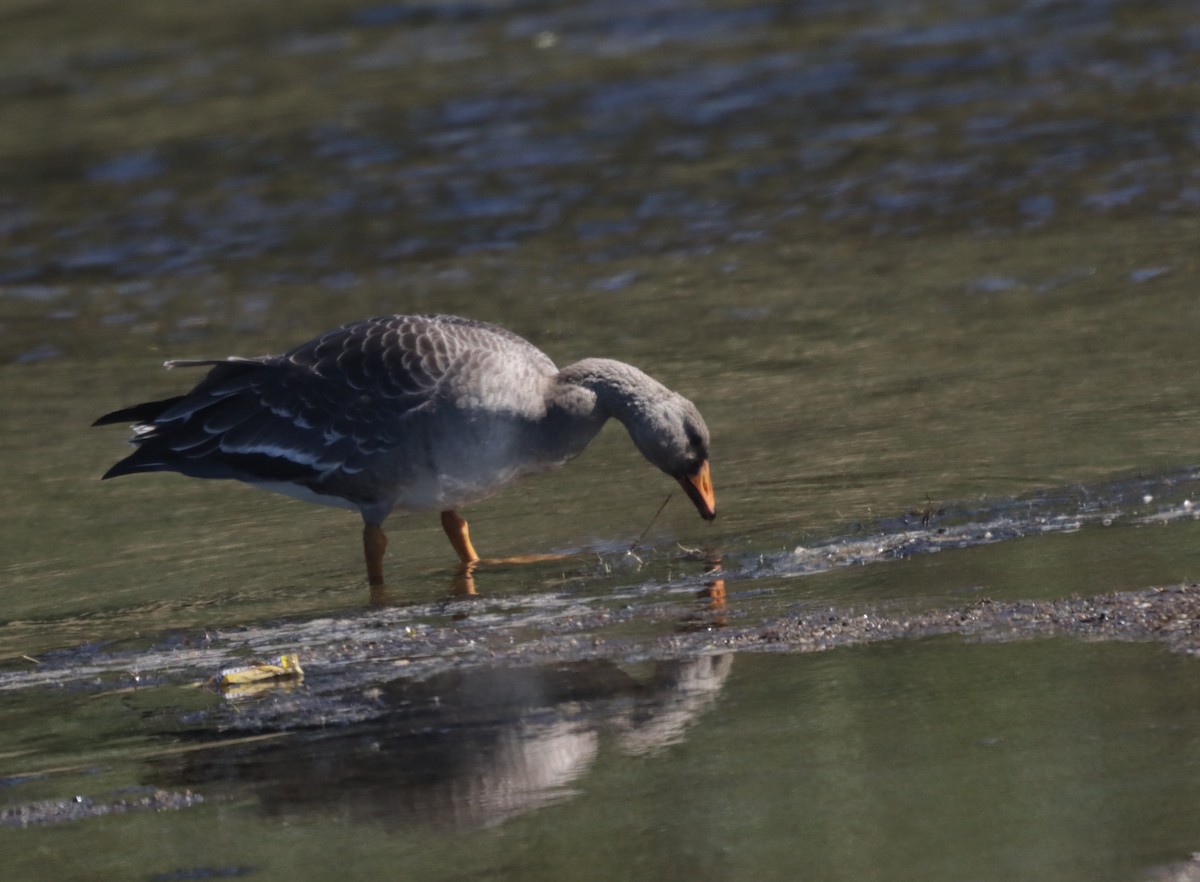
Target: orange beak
(698, 486)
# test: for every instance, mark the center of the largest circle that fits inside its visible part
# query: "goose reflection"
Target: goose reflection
(466, 748)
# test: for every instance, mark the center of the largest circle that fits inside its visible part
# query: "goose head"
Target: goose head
(671, 434)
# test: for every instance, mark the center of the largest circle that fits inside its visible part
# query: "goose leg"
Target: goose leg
(463, 582)
(456, 530)
(374, 544)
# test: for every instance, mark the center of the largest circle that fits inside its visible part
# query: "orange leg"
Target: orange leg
(374, 545)
(456, 531)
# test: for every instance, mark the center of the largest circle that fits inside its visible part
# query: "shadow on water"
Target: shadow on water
(465, 748)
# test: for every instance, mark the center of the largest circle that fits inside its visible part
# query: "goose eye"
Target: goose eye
(698, 450)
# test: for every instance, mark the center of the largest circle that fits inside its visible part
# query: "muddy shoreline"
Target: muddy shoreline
(400, 642)
(1168, 615)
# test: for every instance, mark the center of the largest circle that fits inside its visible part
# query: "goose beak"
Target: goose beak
(698, 486)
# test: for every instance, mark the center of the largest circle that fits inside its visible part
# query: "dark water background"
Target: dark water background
(904, 256)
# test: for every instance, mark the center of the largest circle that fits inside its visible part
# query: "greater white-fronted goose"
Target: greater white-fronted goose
(420, 412)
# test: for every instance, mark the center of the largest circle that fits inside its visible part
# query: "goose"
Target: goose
(411, 412)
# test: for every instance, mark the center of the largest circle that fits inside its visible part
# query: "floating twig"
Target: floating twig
(638, 540)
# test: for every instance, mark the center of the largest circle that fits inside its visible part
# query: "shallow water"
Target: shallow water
(930, 760)
(907, 259)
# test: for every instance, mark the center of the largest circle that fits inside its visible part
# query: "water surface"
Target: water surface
(928, 270)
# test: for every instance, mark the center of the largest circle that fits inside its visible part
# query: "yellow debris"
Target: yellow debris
(283, 667)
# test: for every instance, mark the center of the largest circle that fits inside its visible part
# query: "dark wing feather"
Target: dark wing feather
(139, 413)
